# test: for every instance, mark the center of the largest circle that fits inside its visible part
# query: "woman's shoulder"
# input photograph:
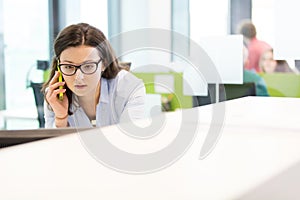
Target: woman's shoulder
(122, 73)
(126, 77)
(126, 82)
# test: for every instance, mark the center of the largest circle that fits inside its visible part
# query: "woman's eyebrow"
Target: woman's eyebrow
(66, 61)
(71, 62)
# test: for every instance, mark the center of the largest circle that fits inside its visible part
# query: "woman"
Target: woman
(94, 88)
(267, 62)
(269, 65)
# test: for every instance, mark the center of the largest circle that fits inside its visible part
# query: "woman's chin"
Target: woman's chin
(80, 93)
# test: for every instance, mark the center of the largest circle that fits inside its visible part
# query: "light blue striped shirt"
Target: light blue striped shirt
(120, 97)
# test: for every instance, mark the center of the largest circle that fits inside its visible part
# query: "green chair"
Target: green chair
(174, 100)
(226, 92)
(282, 84)
(234, 91)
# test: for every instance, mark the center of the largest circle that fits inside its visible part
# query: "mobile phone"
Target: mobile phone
(61, 95)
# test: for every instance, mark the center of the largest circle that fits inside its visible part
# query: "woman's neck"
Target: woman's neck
(89, 104)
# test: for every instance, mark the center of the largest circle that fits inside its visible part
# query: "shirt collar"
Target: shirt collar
(104, 95)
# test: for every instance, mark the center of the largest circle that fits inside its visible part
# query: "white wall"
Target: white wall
(263, 15)
(138, 14)
(287, 30)
(209, 30)
(208, 18)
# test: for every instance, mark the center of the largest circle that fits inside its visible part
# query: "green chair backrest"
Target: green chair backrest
(282, 84)
(234, 91)
(178, 99)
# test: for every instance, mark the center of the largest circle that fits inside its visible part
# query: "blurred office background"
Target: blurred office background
(28, 27)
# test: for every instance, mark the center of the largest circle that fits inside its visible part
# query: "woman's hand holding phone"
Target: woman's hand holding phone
(61, 95)
(56, 91)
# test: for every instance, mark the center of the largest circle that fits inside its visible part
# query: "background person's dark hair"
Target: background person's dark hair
(283, 66)
(83, 34)
(247, 29)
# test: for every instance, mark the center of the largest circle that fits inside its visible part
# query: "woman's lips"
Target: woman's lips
(80, 86)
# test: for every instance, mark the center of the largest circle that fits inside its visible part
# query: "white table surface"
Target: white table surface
(257, 157)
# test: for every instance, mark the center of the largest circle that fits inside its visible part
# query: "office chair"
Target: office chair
(226, 92)
(234, 91)
(39, 102)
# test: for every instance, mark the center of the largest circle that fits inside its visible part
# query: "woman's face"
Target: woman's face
(267, 63)
(82, 84)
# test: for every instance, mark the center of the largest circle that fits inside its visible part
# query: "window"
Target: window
(26, 41)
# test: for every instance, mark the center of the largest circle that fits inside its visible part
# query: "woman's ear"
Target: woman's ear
(103, 64)
(102, 68)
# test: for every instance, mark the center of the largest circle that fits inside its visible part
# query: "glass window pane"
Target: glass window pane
(26, 41)
(93, 12)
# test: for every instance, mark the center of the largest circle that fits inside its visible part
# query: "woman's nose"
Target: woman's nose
(79, 75)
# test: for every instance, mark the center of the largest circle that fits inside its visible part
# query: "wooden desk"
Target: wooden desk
(257, 157)
(15, 137)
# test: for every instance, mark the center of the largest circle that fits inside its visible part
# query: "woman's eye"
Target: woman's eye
(88, 66)
(68, 67)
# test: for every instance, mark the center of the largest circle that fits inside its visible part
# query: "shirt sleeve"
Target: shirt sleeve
(135, 106)
(261, 89)
(49, 116)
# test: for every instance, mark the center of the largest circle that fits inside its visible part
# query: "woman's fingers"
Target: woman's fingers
(54, 90)
(56, 85)
(57, 91)
(55, 78)
(52, 94)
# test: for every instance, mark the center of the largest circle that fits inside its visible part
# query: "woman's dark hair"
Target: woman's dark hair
(83, 34)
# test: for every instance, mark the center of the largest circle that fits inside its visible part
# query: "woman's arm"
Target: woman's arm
(136, 103)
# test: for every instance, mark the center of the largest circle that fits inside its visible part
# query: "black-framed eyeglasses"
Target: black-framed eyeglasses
(85, 68)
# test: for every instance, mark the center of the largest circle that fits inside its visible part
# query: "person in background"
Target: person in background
(255, 47)
(95, 90)
(252, 76)
(269, 65)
